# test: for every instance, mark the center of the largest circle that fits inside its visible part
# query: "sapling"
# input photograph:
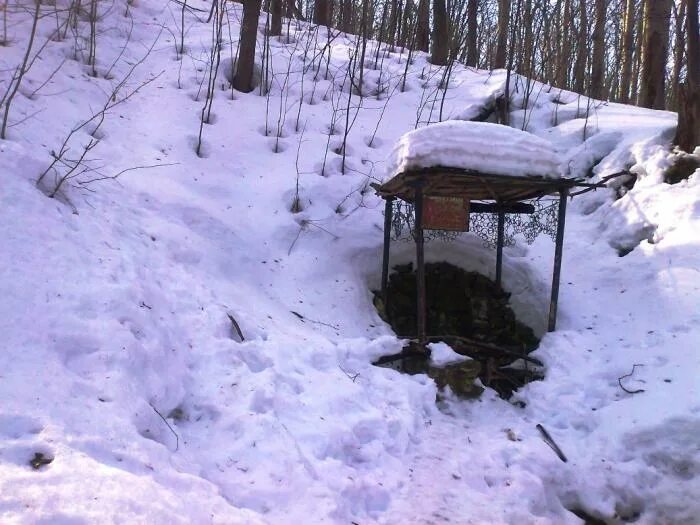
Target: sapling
(296, 202)
(214, 61)
(66, 169)
(284, 97)
(92, 41)
(332, 126)
(21, 70)
(370, 143)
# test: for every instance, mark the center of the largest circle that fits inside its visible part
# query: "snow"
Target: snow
(116, 297)
(442, 354)
(477, 146)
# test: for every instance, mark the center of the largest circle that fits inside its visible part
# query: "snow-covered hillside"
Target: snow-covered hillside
(119, 359)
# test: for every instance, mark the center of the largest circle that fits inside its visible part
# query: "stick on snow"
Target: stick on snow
(548, 439)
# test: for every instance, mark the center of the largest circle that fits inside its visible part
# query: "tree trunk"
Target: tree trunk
(581, 49)
(346, 22)
(441, 33)
(393, 23)
(321, 12)
(688, 133)
(245, 68)
(693, 42)
(293, 10)
(502, 44)
(548, 42)
(565, 48)
(276, 21)
(408, 28)
(422, 28)
(528, 51)
(639, 33)
(678, 54)
(654, 52)
(627, 49)
(472, 28)
(598, 61)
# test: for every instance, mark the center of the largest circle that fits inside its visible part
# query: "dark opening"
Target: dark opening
(469, 312)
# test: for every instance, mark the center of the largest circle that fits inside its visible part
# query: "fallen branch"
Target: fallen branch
(117, 175)
(236, 327)
(552, 444)
(600, 184)
(303, 319)
(353, 377)
(619, 381)
(177, 438)
(486, 347)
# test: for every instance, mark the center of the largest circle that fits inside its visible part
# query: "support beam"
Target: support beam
(420, 267)
(499, 246)
(561, 220)
(388, 212)
(517, 207)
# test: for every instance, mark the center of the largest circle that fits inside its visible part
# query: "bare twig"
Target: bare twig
(352, 377)
(236, 327)
(600, 184)
(550, 441)
(619, 381)
(177, 438)
(303, 319)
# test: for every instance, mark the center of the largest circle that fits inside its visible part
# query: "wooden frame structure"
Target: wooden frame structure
(498, 194)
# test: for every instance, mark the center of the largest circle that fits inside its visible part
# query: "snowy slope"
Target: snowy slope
(116, 297)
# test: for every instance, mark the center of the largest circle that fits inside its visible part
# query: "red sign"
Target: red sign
(446, 213)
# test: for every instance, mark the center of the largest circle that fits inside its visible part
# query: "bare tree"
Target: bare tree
(563, 63)
(688, 135)
(21, 70)
(422, 31)
(598, 60)
(472, 27)
(276, 23)
(627, 52)
(441, 33)
(657, 14)
(322, 12)
(678, 54)
(245, 67)
(502, 45)
(581, 48)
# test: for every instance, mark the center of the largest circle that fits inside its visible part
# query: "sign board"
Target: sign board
(446, 213)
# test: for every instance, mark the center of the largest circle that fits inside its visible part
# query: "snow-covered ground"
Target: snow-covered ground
(120, 362)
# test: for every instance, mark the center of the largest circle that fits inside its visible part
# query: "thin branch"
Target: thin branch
(550, 441)
(619, 381)
(177, 438)
(236, 327)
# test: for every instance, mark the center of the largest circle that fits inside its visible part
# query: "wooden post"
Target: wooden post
(420, 266)
(388, 212)
(561, 220)
(499, 245)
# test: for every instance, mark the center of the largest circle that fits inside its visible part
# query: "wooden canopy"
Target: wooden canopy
(494, 193)
(471, 185)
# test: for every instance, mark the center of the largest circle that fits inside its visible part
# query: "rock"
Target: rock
(39, 460)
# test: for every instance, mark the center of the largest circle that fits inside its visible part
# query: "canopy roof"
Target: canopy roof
(475, 160)
(472, 185)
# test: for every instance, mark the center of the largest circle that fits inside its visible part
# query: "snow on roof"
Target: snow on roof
(479, 146)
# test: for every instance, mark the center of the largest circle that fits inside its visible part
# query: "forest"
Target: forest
(209, 290)
(642, 52)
